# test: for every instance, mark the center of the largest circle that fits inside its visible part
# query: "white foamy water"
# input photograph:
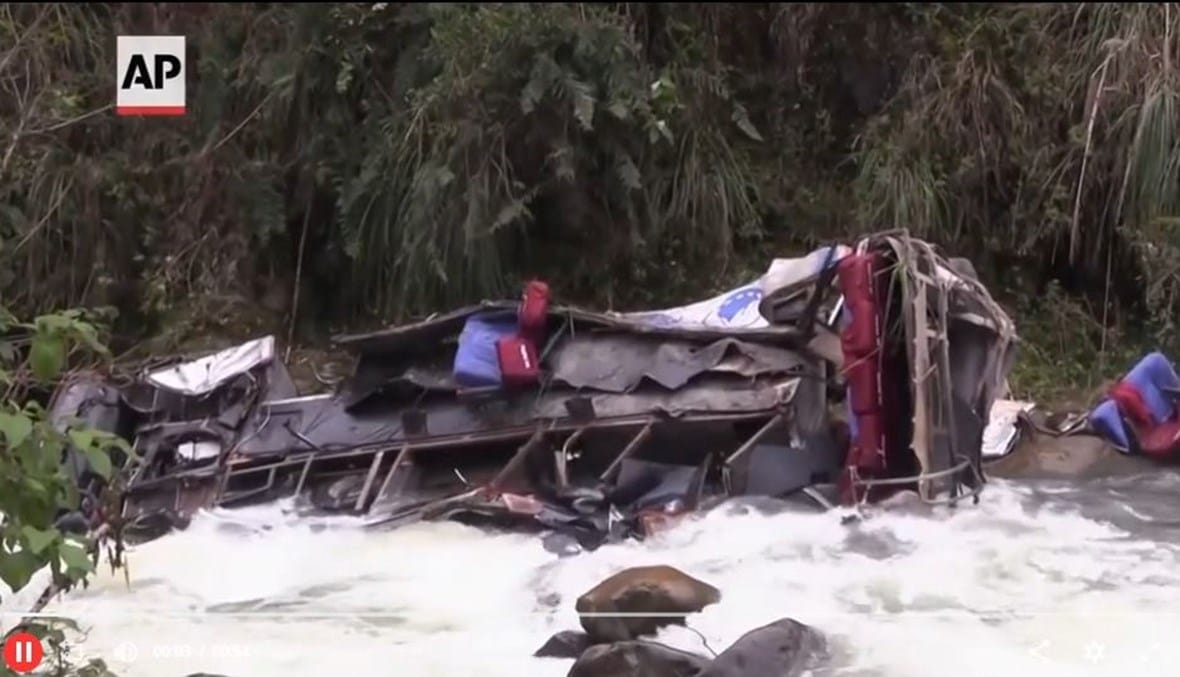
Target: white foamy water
(1036, 579)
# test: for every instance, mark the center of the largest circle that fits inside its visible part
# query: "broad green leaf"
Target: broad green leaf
(17, 568)
(82, 438)
(47, 356)
(7, 319)
(87, 335)
(16, 428)
(38, 540)
(75, 557)
(100, 461)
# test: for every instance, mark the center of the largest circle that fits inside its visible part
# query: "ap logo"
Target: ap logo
(150, 75)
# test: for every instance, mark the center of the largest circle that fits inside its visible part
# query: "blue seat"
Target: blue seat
(1154, 376)
(477, 364)
(1155, 380)
(1105, 421)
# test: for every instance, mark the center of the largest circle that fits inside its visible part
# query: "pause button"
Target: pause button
(23, 652)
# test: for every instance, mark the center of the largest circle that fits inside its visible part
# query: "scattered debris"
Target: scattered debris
(1001, 433)
(1131, 430)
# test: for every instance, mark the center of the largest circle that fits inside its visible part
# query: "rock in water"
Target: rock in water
(152, 525)
(784, 648)
(565, 644)
(656, 589)
(637, 658)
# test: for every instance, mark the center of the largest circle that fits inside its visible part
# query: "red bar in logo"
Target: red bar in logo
(149, 110)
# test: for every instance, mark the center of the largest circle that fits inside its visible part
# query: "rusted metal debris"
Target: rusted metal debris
(636, 418)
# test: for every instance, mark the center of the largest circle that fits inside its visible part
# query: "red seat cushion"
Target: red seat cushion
(534, 312)
(1157, 440)
(1162, 440)
(1131, 404)
(518, 361)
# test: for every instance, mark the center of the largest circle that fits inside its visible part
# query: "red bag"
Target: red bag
(519, 365)
(534, 312)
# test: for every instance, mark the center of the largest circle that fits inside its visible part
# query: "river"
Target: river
(1039, 578)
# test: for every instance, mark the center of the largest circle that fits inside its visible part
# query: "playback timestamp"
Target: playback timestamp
(130, 652)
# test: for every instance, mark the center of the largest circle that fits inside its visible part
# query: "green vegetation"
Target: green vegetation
(362, 163)
(35, 487)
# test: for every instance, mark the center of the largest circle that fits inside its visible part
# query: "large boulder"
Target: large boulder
(659, 590)
(637, 658)
(565, 644)
(784, 648)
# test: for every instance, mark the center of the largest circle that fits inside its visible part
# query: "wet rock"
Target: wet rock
(565, 644)
(637, 658)
(784, 648)
(654, 589)
(561, 544)
(152, 525)
(1042, 456)
(73, 523)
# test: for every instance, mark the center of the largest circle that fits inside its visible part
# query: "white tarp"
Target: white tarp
(736, 308)
(204, 375)
(740, 308)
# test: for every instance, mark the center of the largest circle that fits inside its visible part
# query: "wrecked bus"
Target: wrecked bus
(839, 377)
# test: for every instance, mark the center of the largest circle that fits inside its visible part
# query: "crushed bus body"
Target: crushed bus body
(839, 377)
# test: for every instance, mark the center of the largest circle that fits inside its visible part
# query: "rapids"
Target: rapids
(1038, 578)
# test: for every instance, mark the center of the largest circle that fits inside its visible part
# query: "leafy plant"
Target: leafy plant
(56, 634)
(35, 487)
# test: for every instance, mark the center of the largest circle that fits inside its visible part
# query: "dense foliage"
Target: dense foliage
(35, 487)
(366, 162)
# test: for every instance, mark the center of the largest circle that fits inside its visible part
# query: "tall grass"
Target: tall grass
(388, 159)
(1046, 128)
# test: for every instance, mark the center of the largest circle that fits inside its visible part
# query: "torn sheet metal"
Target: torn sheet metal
(327, 424)
(413, 339)
(970, 341)
(204, 375)
(605, 362)
(785, 283)
(619, 363)
(1001, 433)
